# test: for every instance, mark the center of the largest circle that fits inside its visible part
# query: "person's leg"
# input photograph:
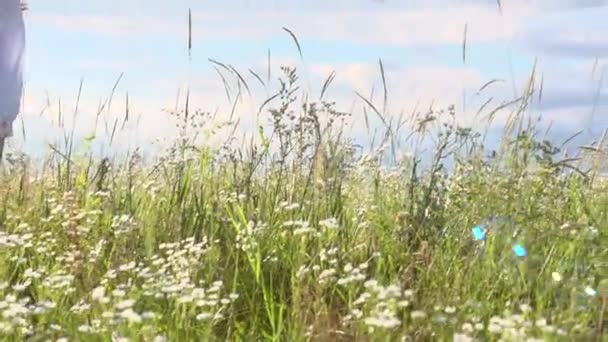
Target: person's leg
(5, 131)
(1, 148)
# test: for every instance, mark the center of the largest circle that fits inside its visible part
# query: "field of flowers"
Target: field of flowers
(303, 237)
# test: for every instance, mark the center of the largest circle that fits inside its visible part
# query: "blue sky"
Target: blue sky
(419, 43)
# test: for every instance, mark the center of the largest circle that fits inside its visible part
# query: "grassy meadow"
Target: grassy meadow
(301, 235)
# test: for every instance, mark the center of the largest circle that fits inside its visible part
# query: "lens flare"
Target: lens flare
(519, 250)
(479, 232)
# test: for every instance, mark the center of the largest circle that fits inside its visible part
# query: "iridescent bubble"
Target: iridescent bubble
(479, 232)
(519, 250)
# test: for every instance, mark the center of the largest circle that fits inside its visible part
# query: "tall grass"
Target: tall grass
(299, 236)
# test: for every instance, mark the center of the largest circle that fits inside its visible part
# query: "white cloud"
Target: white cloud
(113, 25)
(408, 87)
(394, 27)
(577, 33)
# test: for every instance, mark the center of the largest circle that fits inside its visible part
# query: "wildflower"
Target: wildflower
(362, 298)
(441, 319)
(203, 316)
(357, 313)
(185, 299)
(107, 314)
(327, 273)
(418, 314)
(131, 316)
(329, 224)
(118, 338)
(55, 327)
(357, 277)
(496, 320)
(85, 329)
(494, 328)
(507, 323)
(198, 293)
(29, 273)
(403, 304)
(80, 307)
(127, 267)
(556, 277)
(98, 293)
(118, 293)
(384, 319)
(590, 291)
(39, 310)
(148, 315)
(302, 271)
(302, 231)
(392, 291)
(125, 304)
(21, 287)
(525, 308)
(371, 284)
(549, 329)
(519, 319)
(170, 289)
(541, 322)
(206, 303)
(461, 338)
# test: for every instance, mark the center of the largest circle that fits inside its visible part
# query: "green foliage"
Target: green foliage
(316, 242)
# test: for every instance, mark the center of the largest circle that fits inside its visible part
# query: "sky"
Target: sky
(144, 43)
